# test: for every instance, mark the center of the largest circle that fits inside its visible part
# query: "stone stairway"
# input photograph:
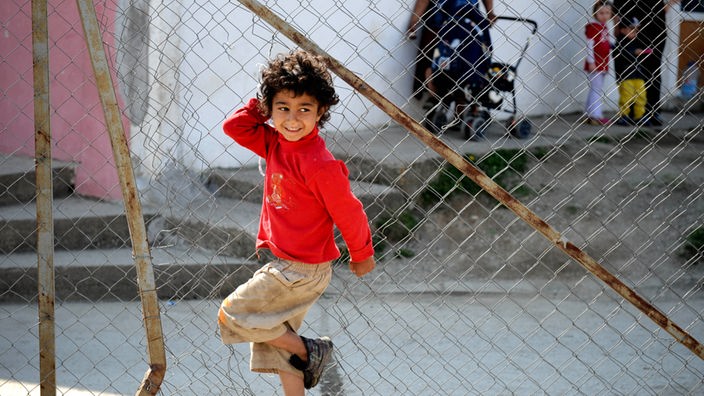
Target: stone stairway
(93, 256)
(204, 250)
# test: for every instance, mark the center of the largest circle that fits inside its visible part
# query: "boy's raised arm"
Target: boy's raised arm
(248, 127)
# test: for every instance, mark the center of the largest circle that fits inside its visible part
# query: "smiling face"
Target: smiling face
(294, 116)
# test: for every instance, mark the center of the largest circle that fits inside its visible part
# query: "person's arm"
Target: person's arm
(332, 187)
(418, 11)
(360, 268)
(489, 7)
(248, 127)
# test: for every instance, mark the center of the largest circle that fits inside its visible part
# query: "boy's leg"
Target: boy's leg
(628, 92)
(290, 342)
(268, 307)
(291, 383)
(640, 100)
(624, 105)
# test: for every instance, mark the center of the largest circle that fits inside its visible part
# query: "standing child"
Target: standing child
(630, 73)
(597, 63)
(306, 192)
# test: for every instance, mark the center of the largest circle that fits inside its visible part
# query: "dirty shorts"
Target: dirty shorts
(276, 298)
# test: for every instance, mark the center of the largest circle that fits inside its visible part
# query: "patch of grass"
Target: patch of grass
(540, 152)
(404, 253)
(694, 244)
(572, 209)
(396, 229)
(380, 245)
(392, 230)
(523, 191)
(504, 166)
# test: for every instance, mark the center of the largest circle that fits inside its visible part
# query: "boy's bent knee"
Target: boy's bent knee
(233, 331)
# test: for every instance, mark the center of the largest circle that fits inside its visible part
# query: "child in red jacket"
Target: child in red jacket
(306, 192)
(597, 60)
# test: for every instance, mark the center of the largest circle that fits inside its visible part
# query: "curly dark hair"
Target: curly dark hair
(302, 73)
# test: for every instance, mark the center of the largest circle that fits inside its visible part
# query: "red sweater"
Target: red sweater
(306, 192)
(598, 46)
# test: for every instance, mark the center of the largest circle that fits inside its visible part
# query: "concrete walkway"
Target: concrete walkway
(393, 344)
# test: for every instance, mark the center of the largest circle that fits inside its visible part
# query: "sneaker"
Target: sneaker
(319, 354)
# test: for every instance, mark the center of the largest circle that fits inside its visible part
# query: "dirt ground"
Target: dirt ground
(627, 202)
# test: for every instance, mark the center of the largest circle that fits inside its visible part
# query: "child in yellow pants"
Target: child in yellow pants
(631, 94)
(628, 57)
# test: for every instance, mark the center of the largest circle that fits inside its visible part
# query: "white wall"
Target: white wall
(222, 46)
(232, 45)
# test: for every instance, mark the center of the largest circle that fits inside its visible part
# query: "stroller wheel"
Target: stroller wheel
(480, 125)
(474, 127)
(520, 129)
(436, 120)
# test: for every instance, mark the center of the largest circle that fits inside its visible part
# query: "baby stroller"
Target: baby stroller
(468, 84)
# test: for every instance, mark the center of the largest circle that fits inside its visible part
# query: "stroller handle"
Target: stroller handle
(529, 22)
(532, 23)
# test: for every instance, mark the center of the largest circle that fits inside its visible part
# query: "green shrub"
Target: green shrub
(540, 152)
(389, 229)
(694, 244)
(395, 229)
(504, 166)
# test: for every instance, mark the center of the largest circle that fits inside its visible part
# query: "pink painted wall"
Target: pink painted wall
(77, 121)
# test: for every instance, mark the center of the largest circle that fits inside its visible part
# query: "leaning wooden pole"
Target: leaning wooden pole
(135, 220)
(480, 178)
(44, 200)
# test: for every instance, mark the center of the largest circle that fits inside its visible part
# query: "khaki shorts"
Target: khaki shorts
(276, 298)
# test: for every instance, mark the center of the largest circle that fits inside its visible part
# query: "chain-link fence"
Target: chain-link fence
(467, 297)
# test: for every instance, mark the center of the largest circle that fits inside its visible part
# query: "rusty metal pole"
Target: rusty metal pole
(135, 220)
(479, 177)
(44, 202)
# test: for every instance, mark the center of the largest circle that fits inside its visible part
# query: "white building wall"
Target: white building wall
(222, 46)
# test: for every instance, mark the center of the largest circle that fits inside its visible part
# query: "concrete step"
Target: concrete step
(392, 157)
(224, 225)
(79, 224)
(109, 274)
(247, 184)
(17, 179)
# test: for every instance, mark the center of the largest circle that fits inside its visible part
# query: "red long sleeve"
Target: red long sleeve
(306, 193)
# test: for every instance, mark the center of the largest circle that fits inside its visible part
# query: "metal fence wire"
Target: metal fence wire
(467, 297)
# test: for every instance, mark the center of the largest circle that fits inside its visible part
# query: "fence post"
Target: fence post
(485, 182)
(140, 247)
(44, 203)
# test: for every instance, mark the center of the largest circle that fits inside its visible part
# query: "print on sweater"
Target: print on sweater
(277, 198)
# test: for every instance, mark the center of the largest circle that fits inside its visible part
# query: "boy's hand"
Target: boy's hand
(590, 67)
(360, 268)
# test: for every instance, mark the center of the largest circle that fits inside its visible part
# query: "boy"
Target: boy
(306, 191)
(630, 75)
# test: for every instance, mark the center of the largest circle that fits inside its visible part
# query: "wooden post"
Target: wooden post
(44, 201)
(135, 220)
